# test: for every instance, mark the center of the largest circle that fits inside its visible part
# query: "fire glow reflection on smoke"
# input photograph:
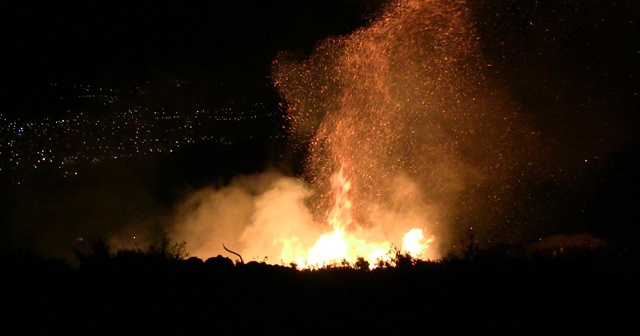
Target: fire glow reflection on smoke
(404, 133)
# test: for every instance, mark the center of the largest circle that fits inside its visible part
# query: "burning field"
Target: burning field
(402, 128)
(426, 132)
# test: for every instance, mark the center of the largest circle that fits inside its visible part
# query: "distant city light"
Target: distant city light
(130, 131)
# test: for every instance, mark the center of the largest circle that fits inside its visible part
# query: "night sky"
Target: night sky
(564, 63)
(227, 45)
(569, 50)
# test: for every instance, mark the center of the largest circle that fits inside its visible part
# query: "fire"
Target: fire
(342, 243)
(414, 242)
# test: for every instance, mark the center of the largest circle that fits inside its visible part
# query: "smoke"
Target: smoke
(420, 120)
(405, 110)
(405, 209)
(406, 103)
(415, 95)
(266, 217)
(257, 215)
(443, 115)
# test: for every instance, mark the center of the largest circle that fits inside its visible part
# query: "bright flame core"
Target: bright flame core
(343, 244)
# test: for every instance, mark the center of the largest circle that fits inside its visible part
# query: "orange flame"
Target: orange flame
(341, 245)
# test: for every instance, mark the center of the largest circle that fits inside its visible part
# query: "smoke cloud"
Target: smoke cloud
(253, 215)
(267, 217)
(439, 116)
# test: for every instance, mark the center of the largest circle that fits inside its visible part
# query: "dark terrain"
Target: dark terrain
(159, 291)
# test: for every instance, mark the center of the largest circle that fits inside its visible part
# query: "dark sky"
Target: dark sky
(232, 42)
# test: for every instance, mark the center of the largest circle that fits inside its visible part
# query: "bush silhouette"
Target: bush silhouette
(100, 254)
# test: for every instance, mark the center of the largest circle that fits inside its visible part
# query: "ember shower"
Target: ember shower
(405, 109)
(409, 144)
(516, 119)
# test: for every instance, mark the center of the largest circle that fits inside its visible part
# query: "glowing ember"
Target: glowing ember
(406, 107)
(406, 134)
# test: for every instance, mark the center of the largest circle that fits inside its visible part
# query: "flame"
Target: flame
(414, 242)
(342, 243)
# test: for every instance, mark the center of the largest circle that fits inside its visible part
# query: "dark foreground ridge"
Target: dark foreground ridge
(160, 291)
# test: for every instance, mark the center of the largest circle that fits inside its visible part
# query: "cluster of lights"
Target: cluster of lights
(135, 131)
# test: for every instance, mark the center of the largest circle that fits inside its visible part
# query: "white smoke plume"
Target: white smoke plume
(265, 217)
(251, 215)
